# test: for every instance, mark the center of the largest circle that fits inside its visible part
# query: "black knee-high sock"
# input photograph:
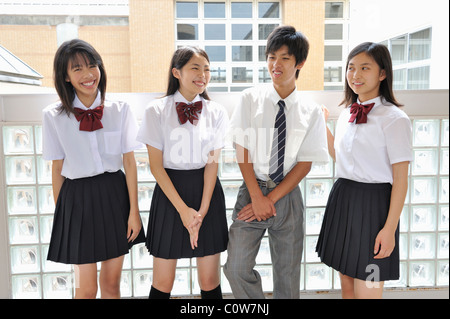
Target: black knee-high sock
(216, 293)
(156, 294)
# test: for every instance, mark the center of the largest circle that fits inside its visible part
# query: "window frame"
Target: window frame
(410, 65)
(255, 65)
(344, 21)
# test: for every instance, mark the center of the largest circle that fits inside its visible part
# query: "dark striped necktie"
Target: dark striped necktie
(278, 146)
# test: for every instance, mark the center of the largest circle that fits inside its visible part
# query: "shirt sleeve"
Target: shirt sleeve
(240, 124)
(51, 146)
(150, 132)
(220, 129)
(129, 131)
(314, 147)
(398, 135)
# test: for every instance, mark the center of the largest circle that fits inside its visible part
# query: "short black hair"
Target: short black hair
(297, 43)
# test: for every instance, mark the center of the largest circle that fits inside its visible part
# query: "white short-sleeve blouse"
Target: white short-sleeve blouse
(366, 152)
(185, 146)
(88, 154)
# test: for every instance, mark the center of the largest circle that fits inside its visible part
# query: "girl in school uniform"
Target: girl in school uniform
(184, 133)
(88, 139)
(372, 149)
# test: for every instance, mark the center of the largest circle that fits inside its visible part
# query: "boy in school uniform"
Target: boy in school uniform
(277, 135)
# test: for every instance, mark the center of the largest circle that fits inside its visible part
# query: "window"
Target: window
(234, 35)
(420, 45)
(419, 78)
(334, 10)
(333, 53)
(411, 59)
(335, 44)
(333, 74)
(399, 50)
(334, 32)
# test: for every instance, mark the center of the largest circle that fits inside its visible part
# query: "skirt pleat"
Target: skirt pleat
(166, 235)
(91, 220)
(354, 215)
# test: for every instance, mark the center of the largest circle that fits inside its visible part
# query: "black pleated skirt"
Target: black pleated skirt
(167, 237)
(91, 220)
(354, 215)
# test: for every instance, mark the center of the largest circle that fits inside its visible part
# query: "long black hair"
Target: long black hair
(179, 59)
(69, 52)
(382, 57)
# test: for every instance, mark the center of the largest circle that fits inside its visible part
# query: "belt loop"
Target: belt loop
(271, 184)
(268, 184)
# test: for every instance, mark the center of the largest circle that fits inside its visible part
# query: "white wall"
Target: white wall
(379, 20)
(28, 107)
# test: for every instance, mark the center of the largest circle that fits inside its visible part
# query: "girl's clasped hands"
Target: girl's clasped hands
(192, 221)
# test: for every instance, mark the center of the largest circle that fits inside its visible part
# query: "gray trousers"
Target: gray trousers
(286, 245)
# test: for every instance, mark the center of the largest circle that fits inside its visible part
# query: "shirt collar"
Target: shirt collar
(178, 97)
(79, 104)
(376, 100)
(292, 99)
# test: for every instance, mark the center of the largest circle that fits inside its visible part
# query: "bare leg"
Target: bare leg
(347, 287)
(352, 288)
(85, 281)
(368, 289)
(163, 274)
(208, 269)
(110, 278)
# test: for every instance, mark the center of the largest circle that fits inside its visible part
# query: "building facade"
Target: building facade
(136, 38)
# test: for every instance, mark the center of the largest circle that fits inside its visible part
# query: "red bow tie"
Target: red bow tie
(90, 119)
(189, 112)
(359, 112)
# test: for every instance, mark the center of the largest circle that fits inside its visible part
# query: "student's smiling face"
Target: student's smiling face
(364, 76)
(84, 77)
(194, 76)
(282, 67)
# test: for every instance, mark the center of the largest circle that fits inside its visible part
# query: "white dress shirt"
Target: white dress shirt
(88, 154)
(365, 152)
(185, 146)
(252, 127)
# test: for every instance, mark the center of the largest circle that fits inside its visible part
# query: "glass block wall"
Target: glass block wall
(29, 205)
